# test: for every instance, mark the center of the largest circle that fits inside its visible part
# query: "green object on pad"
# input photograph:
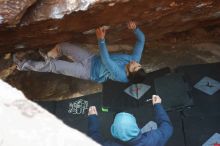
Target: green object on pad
(104, 109)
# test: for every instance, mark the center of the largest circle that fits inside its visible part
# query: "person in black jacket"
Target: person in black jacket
(126, 131)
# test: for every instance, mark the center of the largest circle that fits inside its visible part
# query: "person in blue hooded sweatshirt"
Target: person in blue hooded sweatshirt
(126, 131)
(89, 66)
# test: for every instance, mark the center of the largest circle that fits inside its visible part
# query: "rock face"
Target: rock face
(170, 26)
(26, 123)
(45, 23)
(11, 11)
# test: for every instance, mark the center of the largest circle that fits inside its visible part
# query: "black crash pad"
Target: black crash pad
(177, 139)
(208, 104)
(173, 91)
(73, 112)
(80, 121)
(114, 96)
(48, 105)
(199, 129)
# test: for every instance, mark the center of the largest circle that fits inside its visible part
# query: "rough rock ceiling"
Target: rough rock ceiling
(32, 24)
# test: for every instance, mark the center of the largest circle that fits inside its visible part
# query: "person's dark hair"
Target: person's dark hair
(137, 77)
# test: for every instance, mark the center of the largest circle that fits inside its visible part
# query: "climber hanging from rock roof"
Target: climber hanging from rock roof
(89, 66)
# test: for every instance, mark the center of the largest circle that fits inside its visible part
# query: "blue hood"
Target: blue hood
(124, 127)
